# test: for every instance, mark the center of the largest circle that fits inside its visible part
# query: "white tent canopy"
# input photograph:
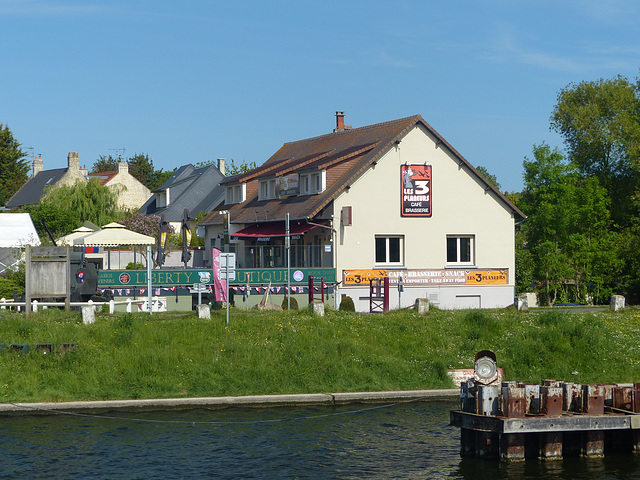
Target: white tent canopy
(114, 235)
(17, 230)
(77, 233)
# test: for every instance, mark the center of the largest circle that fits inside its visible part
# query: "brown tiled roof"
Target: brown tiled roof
(104, 177)
(345, 154)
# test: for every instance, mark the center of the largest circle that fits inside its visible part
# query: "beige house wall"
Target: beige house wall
(74, 172)
(461, 205)
(134, 193)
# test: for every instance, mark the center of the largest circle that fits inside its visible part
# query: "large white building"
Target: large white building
(389, 200)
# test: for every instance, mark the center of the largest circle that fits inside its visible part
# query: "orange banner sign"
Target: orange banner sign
(429, 276)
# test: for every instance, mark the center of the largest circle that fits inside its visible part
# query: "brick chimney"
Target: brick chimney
(340, 126)
(221, 165)
(73, 162)
(38, 166)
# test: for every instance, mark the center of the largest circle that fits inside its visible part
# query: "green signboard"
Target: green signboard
(166, 278)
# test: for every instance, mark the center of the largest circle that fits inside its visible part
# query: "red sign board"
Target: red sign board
(415, 185)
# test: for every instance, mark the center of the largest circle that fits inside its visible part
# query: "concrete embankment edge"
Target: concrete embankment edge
(327, 399)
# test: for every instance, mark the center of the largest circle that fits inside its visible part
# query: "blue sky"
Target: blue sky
(201, 79)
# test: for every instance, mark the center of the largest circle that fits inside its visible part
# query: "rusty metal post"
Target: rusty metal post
(636, 397)
(512, 447)
(532, 394)
(487, 444)
(572, 398)
(488, 400)
(514, 403)
(593, 399)
(550, 400)
(467, 442)
(593, 446)
(607, 393)
(623, 398)
(635, 447)
(550, 446)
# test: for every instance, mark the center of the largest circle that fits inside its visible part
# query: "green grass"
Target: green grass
(164, 356)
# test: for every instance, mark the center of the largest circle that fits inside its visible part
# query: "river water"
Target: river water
(401, 441)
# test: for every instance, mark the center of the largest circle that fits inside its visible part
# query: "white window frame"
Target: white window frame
(267, 189)
(236, 193)
(389, 254)
(460, 250)
(162, 198)
(312, 183)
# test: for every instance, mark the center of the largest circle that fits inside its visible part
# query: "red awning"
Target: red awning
(272, 229)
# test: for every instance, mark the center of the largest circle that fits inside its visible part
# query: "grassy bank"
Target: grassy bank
(161, 356)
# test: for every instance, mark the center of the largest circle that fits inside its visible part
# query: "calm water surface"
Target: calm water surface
(402, 441)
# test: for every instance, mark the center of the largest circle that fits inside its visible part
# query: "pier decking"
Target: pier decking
(514, 421)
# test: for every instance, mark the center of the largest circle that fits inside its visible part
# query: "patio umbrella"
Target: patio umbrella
(163, 230)
(186, 237)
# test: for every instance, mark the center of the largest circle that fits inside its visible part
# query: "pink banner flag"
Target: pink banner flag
(219, 286)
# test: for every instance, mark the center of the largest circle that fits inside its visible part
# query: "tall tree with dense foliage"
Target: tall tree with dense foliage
(87, 201)
(573, 251)
(14, 168)
(600, 123)
(105, 164)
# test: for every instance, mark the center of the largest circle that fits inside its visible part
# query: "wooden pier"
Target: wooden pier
(514, 421)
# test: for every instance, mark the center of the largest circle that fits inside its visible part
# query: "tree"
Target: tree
(567, 232)
(90, 201)
(140, 166)
(150, 225)
(489, 176)
(232, 169)
(59, 220)
(600, 123)
(105, 164)
(14, 168)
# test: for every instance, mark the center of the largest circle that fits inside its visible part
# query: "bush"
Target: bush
(138, 266)
(285, 304)
(347, 305)
(7, 287)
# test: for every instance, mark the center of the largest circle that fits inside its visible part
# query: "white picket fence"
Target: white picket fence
(36, 305)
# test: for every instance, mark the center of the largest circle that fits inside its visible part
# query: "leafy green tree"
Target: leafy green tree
(14, 168)
(105, 164)
(150, 225)
(86, 201)
(600, 124)
(568, 241)
(59, 220)
(489, 176)
(232, 169)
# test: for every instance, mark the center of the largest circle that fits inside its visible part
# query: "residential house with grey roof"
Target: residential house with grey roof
(197, 189)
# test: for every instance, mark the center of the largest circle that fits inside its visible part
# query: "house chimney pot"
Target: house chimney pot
(38, 166)
(73, 161)
(339, 120)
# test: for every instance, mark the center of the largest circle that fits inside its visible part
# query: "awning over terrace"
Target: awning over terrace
(272, 229)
